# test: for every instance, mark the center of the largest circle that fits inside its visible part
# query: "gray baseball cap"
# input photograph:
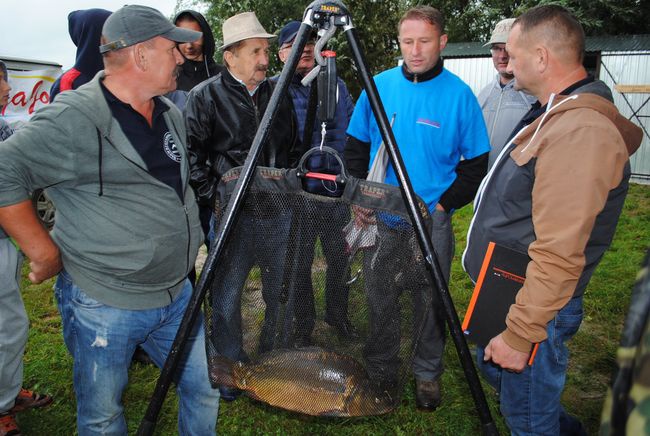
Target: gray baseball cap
(134, 23)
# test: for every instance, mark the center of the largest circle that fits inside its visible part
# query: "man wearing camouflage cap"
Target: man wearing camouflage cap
(111, 156)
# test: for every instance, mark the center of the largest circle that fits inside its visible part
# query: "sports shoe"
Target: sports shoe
(29, 400)
(229, 394)
(427, 394)
(8, 425)
(344, 329)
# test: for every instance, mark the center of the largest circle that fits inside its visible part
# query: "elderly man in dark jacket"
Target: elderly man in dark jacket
(222, 116)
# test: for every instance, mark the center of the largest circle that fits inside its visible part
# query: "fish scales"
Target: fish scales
(311, 381)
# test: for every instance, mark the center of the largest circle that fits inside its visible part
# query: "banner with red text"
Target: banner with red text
(30, 90)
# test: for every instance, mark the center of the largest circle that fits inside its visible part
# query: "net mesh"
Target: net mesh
(317, 302)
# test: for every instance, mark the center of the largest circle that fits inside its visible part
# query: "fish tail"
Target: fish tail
(222, 370)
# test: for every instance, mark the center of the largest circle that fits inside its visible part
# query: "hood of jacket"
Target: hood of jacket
(630, 132)
(85, 29)
(208, 37)
(194, 72)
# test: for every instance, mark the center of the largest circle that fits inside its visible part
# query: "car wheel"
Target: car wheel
(44, 208)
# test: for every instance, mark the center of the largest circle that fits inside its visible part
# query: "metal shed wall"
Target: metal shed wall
(631, 68)
(476, 72)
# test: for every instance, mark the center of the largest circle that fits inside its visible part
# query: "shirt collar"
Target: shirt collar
(423, 77)
(158, 106)
(251, 93)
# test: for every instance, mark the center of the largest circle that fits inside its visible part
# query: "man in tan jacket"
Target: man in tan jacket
(556, 194)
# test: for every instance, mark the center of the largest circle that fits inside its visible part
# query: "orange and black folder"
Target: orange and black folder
(502, 275)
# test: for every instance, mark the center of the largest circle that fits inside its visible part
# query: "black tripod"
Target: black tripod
(322, 15)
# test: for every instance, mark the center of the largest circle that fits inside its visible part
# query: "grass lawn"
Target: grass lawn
(48, 367)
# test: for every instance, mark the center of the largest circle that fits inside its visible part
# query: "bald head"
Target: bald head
(554, 27)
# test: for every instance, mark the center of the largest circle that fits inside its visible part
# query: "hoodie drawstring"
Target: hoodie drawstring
(99, 162)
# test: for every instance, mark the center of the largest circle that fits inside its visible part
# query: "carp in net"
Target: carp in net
(318, 302)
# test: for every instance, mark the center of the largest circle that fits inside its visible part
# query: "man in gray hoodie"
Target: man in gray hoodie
(112, 158)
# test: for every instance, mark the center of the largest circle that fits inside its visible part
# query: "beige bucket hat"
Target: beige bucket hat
(500, 32)
(242, 26)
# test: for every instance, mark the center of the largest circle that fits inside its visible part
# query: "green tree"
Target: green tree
(467, 20)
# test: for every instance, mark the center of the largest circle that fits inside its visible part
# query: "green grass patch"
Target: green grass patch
(48, 367)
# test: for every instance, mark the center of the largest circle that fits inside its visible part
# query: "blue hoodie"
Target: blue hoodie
(85, 29)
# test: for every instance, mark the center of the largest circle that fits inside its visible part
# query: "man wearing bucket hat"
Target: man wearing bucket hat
(221, 117)
(502, 105)
(111, 156)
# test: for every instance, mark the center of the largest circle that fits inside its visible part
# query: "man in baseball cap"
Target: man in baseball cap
(134, 23)
(124, 212)
(501, 104)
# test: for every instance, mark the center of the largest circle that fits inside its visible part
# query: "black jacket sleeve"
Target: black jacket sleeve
(357, 157)
(198, 121)
(469, 174)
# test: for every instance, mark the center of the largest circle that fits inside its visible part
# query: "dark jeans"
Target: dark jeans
(530, 400)
(324, 221)
(388, 272)
(260, 241)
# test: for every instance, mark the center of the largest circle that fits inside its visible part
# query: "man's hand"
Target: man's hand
(43, 269)
(21, 223)
(363, 217)
(505, 356)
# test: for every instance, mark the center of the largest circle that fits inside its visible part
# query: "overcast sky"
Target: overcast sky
(39, 29)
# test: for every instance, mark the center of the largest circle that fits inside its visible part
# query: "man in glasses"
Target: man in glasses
(304, 98)
(502, 105)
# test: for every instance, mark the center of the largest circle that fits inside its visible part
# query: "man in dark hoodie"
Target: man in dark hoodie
(556, 193)
(85, 29)
(199, 55)
(199, 65)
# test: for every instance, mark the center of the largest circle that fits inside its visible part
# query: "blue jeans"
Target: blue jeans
(530, 400)
(101, 340)
(255, 240)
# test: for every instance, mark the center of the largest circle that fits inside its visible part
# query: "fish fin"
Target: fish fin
(222, 371)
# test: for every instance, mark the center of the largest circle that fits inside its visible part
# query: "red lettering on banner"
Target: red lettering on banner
(20, 98)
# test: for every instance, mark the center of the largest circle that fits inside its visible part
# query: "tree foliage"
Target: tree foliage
(467, 20)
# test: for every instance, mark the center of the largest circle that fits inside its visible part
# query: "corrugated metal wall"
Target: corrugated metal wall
(631, 68)
(476, 72)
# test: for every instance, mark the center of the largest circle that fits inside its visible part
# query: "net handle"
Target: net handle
(303, 171)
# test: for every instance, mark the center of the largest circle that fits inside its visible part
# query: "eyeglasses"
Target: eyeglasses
(289, 46)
